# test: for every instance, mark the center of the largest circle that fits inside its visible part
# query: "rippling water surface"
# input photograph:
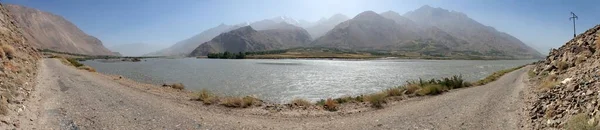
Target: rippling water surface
(284, 80)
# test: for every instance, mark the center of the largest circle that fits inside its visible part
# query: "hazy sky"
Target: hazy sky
(540, 23)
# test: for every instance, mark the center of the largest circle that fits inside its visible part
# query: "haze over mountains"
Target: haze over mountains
(136, 49)
(185, 47)
(48, 31)
(425, 31)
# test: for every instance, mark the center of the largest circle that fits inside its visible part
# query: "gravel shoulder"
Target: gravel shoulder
(67, 98)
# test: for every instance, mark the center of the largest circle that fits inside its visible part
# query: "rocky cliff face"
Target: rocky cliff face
(48, 31)
(569, 84)
(18, 69)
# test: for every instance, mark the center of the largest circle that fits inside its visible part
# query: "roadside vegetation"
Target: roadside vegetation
(376, 100)
(73, 62)
(496, 75)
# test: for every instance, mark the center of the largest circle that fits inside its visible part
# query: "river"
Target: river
(284, 80)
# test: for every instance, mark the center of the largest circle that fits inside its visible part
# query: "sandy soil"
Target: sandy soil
(67, 98)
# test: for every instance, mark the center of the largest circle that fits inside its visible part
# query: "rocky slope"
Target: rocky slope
(568, 84)
(48, 31)
(366, 31)
(18, 69)
(246, 39)
(481, 38)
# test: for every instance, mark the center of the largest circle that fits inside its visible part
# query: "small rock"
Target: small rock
(566, 80)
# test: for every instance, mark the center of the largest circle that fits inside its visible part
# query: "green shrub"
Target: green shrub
(320, 102)
(377, 100)
(343, 100)
(359, 98)
(74, 62)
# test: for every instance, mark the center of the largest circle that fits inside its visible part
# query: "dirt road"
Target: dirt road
(67, 98)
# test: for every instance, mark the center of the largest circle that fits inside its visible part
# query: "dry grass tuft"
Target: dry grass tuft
(330, 105)
(377, 100)
(561, 65)
(580, 59)
(88, 68)
(580, 122)
(9, 51)
(301, 102)
(232, 102)
(207, 97)
(3, 105)
(393, 92)
(2, 55)
(179, 86)
(250, 101)
(431, 89)
(549, 82)
(411, 88)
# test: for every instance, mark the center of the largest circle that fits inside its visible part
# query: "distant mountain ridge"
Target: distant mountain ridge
(247, 39)
(481, 38)
(183, 48)
(48, 31)
(315, 29)
(426, 31)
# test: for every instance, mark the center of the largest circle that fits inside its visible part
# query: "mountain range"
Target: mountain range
(316, 29)
(48, 31)
(425, 31)
(247, 39)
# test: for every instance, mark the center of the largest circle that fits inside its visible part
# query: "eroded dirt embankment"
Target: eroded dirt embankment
(18, 67)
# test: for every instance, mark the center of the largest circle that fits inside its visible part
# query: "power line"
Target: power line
(573, 18)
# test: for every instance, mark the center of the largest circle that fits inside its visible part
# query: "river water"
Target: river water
(284, 80)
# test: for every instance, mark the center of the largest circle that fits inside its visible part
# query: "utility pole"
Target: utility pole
(573, 17)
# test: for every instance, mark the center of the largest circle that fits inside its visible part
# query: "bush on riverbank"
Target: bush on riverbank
(377, 100)
(237, 102)
(301, 102)
(74, 62)
(226, 55)
(330, 105)
(207, 97)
